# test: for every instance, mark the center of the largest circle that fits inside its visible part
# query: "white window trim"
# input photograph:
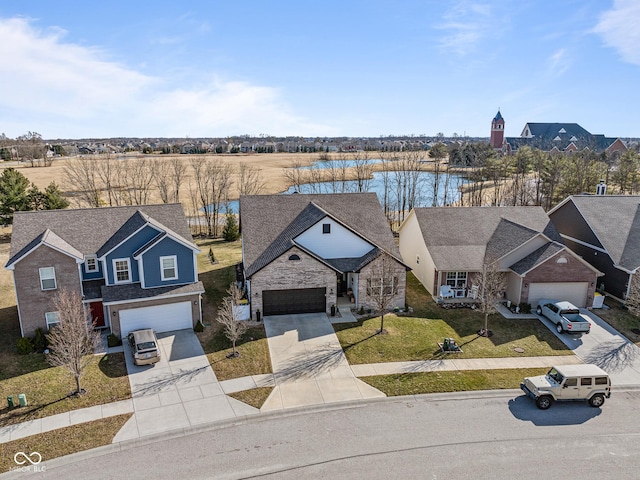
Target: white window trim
(175, 267)
(55, 283)
(51, 322)
(86, 264)
(115, 272)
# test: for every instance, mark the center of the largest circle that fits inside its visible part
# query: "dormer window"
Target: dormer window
(326, 228)
(91, 264)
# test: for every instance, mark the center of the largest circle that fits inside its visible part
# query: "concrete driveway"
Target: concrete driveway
(308, 363)
(605, 347)
(179, 391)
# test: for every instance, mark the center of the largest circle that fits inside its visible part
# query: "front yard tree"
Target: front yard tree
(234, 328)
(231, 233)
(382, 287)
(491, 286)
(13, 194)
(73, 341)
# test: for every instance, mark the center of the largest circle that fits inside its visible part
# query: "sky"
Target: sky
(218, 68)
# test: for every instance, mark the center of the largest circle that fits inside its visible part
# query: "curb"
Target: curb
(260, 417)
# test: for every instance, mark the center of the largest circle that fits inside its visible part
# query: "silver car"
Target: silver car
(144, 346)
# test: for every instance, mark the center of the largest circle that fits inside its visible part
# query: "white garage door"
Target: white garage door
(162, 318)
(574, 292)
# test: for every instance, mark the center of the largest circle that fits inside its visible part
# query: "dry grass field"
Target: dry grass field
(271, 166)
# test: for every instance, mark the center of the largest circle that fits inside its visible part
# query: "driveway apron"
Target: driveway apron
(605, 347)
(179, 391)
(308, 363)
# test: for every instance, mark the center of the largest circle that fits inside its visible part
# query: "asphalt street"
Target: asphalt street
(494, 436)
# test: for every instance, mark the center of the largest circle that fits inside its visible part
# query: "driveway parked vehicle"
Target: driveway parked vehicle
(565, 316)
(144, 346)
(569, 382)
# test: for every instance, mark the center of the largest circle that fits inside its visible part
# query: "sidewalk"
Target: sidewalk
(46, 424)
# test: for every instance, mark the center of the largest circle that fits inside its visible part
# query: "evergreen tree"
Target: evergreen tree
(231, 232)
(13, 195)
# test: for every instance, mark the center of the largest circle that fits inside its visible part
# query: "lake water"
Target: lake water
(425, 182)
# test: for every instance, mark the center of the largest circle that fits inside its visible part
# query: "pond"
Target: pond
(424, 182)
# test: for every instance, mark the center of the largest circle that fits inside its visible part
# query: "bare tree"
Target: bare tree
(228, 318)
(382, 287)
(81, 176)
(295, 175)
(178, 172)
(136, 177)
(31, 148)
(73, 341)
(491, 286)
(106, 168)
(161, 177)
(213, 181)
(250, 180)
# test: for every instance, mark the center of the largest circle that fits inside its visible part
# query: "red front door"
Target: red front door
(97, 314)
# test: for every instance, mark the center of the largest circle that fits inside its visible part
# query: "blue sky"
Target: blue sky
(75, 69)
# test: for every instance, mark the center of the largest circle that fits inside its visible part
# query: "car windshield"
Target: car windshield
(146, 345)
(555, 375)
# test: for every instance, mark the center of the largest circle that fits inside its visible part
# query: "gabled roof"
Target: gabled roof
(615, 220)
(270, 223)
(87, 230)
(537, 257)
(459, 238)
(50, 239)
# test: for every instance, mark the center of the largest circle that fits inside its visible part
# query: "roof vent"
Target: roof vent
(562, 130)
(557, 139)
(601, 188)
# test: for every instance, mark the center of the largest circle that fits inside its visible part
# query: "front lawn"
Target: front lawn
(621, 319)
(451, 381)
(63, 441)
(47, 390)
(254, 397)
(254, 356)
(416, 337)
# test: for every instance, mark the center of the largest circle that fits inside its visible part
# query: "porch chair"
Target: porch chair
(446, 291)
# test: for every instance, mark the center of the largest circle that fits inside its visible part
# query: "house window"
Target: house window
(457, 279)
(294, 257)
(91, 264)
(48, 278)
(326, 228)
(121, 270)
(52, 318)
(382, 286)
(169, 267)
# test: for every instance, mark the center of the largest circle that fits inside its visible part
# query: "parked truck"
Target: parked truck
(564, 315)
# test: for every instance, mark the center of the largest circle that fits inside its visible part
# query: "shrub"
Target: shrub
(113, 340)
(40, 340)
(361, 311)
(525, 308)
(25, 346)
(199, 327)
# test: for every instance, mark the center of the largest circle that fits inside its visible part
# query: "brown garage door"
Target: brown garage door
(300, 300)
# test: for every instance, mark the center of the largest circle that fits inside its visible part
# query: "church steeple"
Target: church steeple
(497, 131)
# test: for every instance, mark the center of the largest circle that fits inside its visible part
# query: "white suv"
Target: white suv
(569, 382)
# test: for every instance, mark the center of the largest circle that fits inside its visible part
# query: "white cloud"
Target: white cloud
(559, 62)
(66, 90)
(618, 28)
(465, 24)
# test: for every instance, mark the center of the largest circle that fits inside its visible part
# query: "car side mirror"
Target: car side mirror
(565, 386)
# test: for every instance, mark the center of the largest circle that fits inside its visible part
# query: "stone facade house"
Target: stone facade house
(135, 267)
(447, 247)
(307, 253)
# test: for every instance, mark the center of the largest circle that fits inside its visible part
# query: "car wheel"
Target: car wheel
(539, 310)
(597, 400)
(559, 328)
(543, 402)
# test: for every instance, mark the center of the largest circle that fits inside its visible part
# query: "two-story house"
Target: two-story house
(134, 266)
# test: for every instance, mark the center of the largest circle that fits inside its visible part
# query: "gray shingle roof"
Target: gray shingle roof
(87, 230)
(615, 219)
(47, 238)
(270, 222)
(537, 257)
(458, 238)
(134, 291)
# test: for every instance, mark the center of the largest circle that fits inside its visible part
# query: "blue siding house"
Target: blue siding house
(135, 266)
